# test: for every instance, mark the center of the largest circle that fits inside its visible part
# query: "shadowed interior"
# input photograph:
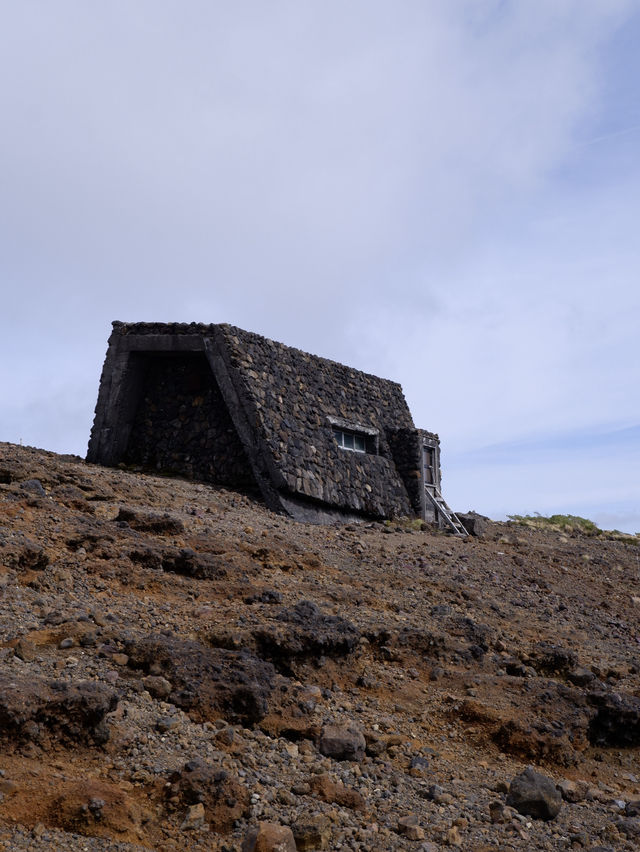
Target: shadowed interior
(181, 423)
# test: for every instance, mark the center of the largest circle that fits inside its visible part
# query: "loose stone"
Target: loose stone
(534, 795)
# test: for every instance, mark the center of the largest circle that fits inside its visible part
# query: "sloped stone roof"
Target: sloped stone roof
(295, 396)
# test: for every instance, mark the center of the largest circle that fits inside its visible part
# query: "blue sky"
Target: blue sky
(442, 193)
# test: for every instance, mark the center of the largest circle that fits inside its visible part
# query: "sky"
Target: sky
(442, 193)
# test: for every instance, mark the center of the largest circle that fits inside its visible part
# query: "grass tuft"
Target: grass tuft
(572, 524)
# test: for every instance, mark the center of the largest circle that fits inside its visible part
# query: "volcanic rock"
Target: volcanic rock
(342, 742)
(73, 712)
(535, 795)
(269, 837)
(223, 798)
(207, 682)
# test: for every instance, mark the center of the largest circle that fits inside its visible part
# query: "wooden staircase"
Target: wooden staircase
(446, 516)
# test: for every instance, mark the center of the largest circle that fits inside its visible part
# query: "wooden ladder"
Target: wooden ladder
(443, 511)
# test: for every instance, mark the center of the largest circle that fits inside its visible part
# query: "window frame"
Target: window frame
(354, 437)
(344, 437)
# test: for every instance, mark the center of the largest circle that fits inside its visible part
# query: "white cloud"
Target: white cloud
(411, 188)
(601, 486)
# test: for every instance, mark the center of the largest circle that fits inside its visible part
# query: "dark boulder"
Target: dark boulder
(224, 798)
(19, 552)
(33, 486)
(73, 712)
(206, 682)
(552, 660)
(180, 560)
(630, 827)
(152, 522)
(474, 523)
(535, 795)
(342, 742)
(616, 721)
(302, 633)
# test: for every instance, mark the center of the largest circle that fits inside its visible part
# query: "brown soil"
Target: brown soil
(231, 636)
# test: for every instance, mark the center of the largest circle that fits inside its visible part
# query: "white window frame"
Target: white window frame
(367, 436)
(342, 437)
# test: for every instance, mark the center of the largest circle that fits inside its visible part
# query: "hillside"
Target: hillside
(178, 664)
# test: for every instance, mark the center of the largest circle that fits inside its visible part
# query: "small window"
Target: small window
(350, 440)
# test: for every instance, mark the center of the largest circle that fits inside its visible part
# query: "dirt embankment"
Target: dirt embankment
(178, 664)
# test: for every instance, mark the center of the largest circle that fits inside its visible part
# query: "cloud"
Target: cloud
(309, 144)
(445, 193)
(590, 473)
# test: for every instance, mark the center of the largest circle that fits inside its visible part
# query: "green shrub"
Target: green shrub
(566, 523)
(573, 523)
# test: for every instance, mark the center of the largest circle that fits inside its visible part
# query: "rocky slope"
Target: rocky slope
(179, 665)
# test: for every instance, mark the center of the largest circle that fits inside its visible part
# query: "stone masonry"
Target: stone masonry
(219, 404)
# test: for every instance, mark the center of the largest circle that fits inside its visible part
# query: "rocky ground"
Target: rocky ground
(181, 668)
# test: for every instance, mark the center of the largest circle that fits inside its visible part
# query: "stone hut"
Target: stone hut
(319, 440)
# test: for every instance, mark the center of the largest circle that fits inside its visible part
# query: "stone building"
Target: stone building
(319, 440)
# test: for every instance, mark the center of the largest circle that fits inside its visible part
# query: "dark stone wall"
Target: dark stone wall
(182, 425)
(407, 456)
(406, 447)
